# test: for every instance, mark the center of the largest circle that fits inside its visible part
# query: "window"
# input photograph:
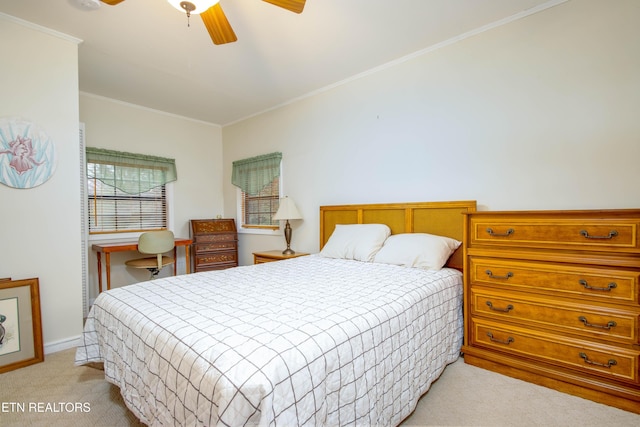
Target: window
(258, 210)
(259, 181)
(127, 192)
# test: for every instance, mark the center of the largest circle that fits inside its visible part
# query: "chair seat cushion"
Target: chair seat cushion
(149, 262)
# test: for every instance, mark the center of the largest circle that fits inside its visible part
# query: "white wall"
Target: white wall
(541, 113)
(40, 227)
(197, 148)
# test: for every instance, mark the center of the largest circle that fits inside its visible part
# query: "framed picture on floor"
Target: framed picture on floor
(20, 324)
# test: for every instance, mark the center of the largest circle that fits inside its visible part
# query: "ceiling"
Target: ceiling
(142, 51)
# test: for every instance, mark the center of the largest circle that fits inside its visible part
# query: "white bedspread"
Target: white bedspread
(309, 341)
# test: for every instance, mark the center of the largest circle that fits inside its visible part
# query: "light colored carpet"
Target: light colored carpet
(57, 393)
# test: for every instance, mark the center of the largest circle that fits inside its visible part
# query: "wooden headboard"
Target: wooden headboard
(441, 218)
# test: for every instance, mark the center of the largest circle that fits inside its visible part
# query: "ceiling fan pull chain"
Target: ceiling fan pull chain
(188, 7)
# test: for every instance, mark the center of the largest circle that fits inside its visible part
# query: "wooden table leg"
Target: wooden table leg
(187, 258)
(107, 258)
(99, 271)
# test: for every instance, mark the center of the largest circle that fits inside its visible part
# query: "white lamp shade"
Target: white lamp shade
(201, 5)
(287, 210)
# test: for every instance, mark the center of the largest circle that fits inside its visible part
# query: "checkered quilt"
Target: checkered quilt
(310, 341)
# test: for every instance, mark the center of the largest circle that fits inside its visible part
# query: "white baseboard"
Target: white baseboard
(65, 344)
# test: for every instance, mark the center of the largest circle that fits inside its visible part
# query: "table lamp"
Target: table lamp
(287, 211)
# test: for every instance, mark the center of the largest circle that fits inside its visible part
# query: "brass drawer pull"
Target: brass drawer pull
(508, 233)
(608, 326)
(504, 310)
(612, 234)
(610, 286)
(507, 342)
(490, 274)
(607, 365)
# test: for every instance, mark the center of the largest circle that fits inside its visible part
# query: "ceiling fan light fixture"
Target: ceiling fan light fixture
(86, 4)
(192, 6)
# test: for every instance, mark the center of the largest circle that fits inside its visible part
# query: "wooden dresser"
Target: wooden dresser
(215, 244)
(553, 298)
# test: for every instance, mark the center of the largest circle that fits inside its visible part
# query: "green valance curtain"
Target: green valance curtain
(255, 173)
(129, 172)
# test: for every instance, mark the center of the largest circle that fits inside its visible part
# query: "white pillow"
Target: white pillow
(420, 250)
(356, 241)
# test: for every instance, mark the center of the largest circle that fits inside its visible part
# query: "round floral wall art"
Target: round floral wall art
(27, 155)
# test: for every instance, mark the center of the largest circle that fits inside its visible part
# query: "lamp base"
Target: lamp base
(287, 236)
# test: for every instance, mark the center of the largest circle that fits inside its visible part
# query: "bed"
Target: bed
(348, 336)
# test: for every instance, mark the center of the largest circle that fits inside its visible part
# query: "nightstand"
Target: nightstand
(270, 256)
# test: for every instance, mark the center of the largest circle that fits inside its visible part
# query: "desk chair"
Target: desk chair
(156, 243)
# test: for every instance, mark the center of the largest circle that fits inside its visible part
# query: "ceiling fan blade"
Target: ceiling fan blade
(112, 2)
(295, 6)
(218, 26)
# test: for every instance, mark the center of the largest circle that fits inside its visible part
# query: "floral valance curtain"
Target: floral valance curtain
(255, 173)
(129, 172)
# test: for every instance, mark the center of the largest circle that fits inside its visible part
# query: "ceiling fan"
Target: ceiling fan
(214, 18)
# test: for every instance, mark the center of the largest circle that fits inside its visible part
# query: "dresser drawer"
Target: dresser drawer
(602, 360)
(597, 283)
(209, 238)
(261, 260)
(216, 258)
(205, 226)
(216, 266)
(587, 233)
(215, 246)
(535, 311)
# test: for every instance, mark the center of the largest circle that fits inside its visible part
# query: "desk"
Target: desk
(124, 246)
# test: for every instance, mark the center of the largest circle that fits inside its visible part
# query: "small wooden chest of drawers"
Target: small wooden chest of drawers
(553, 297)
(215, 244)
